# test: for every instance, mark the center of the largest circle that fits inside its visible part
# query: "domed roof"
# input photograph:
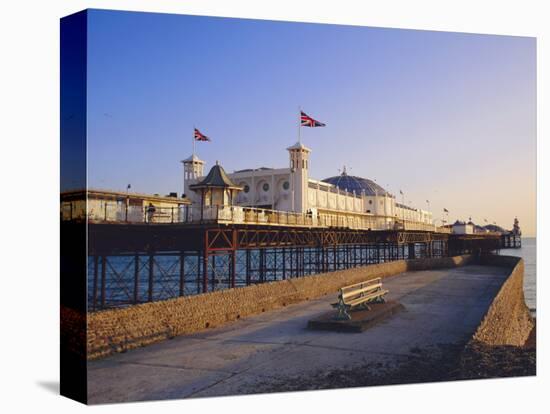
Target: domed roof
(350, 183)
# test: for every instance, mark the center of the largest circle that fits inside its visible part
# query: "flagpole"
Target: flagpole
(194, 140)
(299, 124)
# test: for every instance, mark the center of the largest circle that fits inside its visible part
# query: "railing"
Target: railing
(251, 215)
(119, 213)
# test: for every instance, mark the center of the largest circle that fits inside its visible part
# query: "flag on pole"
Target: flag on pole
(199, 136)
(445, 210)
(401, 192)
(308, 121)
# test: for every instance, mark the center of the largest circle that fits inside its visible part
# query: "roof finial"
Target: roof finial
(344, 170)
(217, 162)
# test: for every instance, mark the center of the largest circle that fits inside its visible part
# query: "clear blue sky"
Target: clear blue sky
(447, 117)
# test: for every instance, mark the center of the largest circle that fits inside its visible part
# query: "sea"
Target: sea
(528, 253)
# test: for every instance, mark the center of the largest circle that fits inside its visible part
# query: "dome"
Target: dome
(352, 183)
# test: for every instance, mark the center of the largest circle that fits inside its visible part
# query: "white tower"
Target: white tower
(299, 177)
(193, 168)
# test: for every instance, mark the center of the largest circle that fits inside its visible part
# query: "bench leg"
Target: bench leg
(343, 314)
(365, 306)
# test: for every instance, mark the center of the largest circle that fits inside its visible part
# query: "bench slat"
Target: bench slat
(356, 292)
(366, 298)
(368, 282)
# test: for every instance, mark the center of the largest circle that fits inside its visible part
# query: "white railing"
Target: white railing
(113, 212)
(251, 215)
(117, 213)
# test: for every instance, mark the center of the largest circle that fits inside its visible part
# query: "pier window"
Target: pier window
(265, 187)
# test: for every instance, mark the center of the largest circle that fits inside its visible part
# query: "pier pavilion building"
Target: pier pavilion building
(115, 206)
(343, 200)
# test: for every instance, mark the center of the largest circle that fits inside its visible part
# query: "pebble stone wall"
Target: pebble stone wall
(508, 321)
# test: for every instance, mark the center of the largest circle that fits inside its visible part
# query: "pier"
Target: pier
(132, 263)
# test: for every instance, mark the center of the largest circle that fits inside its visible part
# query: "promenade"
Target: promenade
(442, 307)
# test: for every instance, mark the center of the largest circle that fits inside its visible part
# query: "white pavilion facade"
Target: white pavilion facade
(289, 193)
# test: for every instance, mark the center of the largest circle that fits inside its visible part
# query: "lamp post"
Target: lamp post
(127, 202)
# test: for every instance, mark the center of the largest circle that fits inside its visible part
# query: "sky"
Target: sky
(445, 117)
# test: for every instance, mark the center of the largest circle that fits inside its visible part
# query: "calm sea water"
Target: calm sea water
(528, 253)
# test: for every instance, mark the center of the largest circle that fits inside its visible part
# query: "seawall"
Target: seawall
(508, 321)
(119, 330)
(499, 347)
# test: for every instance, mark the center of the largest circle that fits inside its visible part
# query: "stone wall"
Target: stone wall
(497, 347)
(507, 321)
(118, 330)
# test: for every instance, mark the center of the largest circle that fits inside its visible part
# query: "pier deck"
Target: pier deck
(263, 352)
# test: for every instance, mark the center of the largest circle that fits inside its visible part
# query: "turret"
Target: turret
(299, 177)
(193, 168)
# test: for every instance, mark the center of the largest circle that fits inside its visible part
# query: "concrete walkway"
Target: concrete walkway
(441, 307)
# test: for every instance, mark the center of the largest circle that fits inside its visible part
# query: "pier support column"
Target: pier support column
(151, 274)
(233, 257)
(247, 266)
(103, 280)
(205, 264)
(262, 265)
(412, 253)
(136, 278)
(94, 300)
(284, 263)
(182, 273)
(213, 284)
(199, 267)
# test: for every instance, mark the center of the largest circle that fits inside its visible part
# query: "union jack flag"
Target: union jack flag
(308, 121)
(199, 136)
